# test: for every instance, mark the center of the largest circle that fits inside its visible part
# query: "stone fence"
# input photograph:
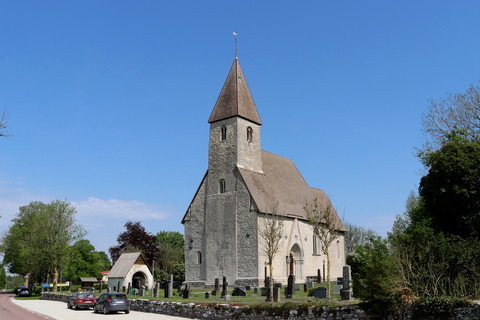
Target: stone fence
(263, 312)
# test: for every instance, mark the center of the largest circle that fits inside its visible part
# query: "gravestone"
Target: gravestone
(216, 289)
(207, 295)
(141, 291)
(276, 292)
(248, 288)
(225, 289)
(347, 290)
(297, 287)
(255, 290)
(157, 289)
(166, 293)
(186, 292)
(320, 293)
(129, 290)
(290, 287)
(169, 287)
(305, 289)
(267, 289)
(238, 292)
(124, 289)
(309, 284)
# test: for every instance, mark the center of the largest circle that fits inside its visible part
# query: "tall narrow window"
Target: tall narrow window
(222, 186)
(224, 133)
(315, 245)
(249, 134)
(199, 257)
(338, 249)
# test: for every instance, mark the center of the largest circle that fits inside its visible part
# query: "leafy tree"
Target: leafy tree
(170, 246)
(373, 270)
(451, 189)
(271, 232)
(84, 261)
(356, 236)
(325, 225)
(459, 111)
(37, 244)
(3, 276)
(135, 238)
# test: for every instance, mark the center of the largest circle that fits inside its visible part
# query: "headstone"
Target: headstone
(186, 292)
(320, 293)
(217, 287)
(124, 289)
(166, 293)
(238, 292)
(141, 291)
(276, 292)
(267, 287)
(347, 290)
(170, 286)
(207, 295)
(248, 288)
(290, 287)
(129, 290)
(224, 288)
(305, 289)
(263, 292)
(297, 287)
(336, 288)
(255, 290)
(157, 289)
(309, 284)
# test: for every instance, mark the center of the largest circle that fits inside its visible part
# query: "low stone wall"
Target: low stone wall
(263, 312)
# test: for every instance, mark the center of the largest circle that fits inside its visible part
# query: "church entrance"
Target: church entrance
(139, 279)
(295, 261)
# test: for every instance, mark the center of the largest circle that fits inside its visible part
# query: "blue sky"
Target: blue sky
(109, 100)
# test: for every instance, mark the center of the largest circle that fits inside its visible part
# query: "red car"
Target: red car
(81, 300)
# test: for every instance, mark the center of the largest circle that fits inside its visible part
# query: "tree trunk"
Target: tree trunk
(328, 276)
(55, 279)
(270, 291)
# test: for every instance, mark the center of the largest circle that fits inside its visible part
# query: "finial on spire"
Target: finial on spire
(235, 35)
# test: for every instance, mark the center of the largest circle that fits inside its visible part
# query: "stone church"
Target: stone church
(242, 187)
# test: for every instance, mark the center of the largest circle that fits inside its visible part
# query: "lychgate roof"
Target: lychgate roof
(125, 263)
(235, 98)
(281, 186)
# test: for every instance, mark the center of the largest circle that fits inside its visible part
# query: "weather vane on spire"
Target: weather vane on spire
(235, 35)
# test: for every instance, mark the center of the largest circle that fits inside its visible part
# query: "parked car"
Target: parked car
(24, 292)
(112, 302)
(81, 300)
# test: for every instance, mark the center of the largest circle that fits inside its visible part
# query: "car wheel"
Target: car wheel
(105, 311)
(75, 306)
(68, 305)
(95, 310)
(127, 311)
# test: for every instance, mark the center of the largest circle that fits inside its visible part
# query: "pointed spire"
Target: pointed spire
(235, 98)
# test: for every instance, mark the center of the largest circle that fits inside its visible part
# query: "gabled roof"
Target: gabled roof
(235, 98)
(282, 185)
(125, 263)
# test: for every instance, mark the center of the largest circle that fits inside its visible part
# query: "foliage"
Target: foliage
(84, 261)
(37, 243)
(373, 271)
(356, 236)
(170, 254)
(135, 238)
(436, 308)
(325, 225)
(3, 276)
(451, 189)
(459, 111)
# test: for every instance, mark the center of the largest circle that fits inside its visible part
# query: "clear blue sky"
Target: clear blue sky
(109, 100)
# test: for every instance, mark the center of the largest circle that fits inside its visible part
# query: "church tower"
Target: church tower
(234, 143)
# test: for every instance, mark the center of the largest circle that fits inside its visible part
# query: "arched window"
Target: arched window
(199, 257)
(221, 186)
(249, 134)
(224, 133)
(338, 249)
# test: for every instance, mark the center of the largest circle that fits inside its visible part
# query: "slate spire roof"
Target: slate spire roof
(235, 98)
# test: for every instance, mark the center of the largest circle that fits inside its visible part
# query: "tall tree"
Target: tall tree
(37, 243)
(325, 225)
(84, 261)
(170, 254)
(135, 238)
(459, 111)
(451, 189)
(356, 236)
(271, 232)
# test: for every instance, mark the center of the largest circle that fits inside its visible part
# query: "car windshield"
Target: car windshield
(118, 296)
(86, 295)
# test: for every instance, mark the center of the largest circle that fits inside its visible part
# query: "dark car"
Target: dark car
(24, 292)
(81, 300)
(112, 302)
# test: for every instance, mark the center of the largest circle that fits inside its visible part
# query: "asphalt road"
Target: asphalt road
(12, 309)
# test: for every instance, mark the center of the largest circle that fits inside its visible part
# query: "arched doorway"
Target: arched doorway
(295, 261)
(139, 279)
